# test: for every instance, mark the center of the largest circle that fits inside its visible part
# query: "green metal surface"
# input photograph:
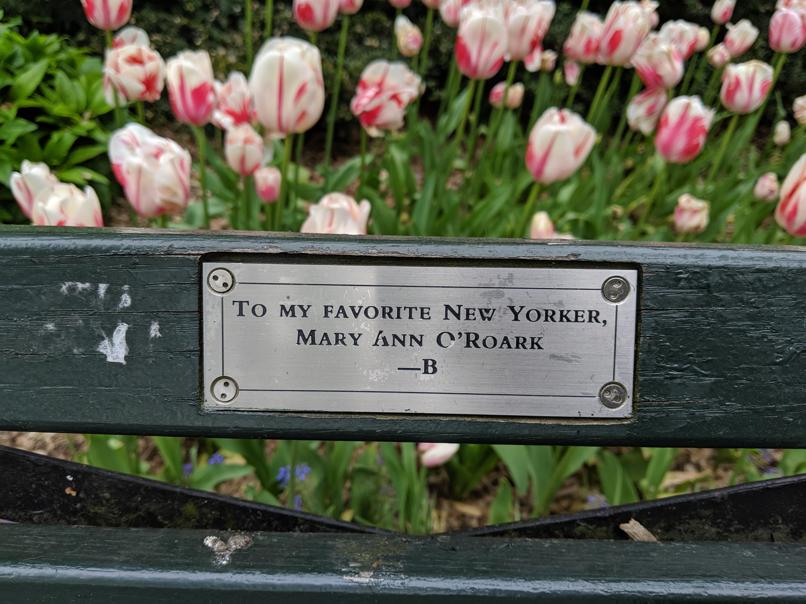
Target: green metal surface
(721, 356)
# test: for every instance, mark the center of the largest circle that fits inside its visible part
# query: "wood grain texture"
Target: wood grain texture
(721, 358)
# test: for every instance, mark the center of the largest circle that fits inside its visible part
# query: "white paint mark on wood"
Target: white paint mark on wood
(125, 298)
(102, 287)
(74, 287)
(115, 349)
(154, 330)
(50, 327)
(222, 551)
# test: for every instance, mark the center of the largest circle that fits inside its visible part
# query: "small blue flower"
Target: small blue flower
(187, 470)
(301, 471)
(596, 501)
(297, 502)
(215, 459)
(283, 476)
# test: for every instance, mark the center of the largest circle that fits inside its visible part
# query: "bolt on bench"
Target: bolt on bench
(293, 337)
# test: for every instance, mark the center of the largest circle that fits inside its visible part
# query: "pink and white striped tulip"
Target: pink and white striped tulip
(798, 5)
(337, 214)
(108, 15)
(267, 183)
(644, 110)
(67, 205)
(684, 36)
(740, 37)
(433, 455)
(350, 7)
(527, 22)
(582, 43)
(450, 10)
(400, 3)
(287, 86)
(384, 92)
(691, 214)
(481, 41)
(131, 36)
(722, 11)
(703, 39)
(514, 96)
(745, 86)
(682, 129)
(787, 30)
(799, 109)
(137, 73)
(153, 171)
(571, 72)
(315, 15)
(767, 187)
(718, 56)
(234, 105)
(651, 11)
(625, 27)
(791, 211)
(541, 227)
(191, 87)
(243, 149)
(548, 61)
(29, 182)
(782, 133)
(559, 144)
(658, 63)
(408, 36)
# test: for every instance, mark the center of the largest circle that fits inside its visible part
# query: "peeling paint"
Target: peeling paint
(102, 287)
(223, 551)
(116, 349)
(74, 287)
(50, 327)
(125, 298)
(154, 330)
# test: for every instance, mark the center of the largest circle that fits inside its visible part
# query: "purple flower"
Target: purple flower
(596, 501)
(215, 459)
(297, 502)
(301, 471)
(187, 470)
(283, 476)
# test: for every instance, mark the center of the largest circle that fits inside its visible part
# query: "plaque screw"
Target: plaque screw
(224, 390)
(613, 395)
(220, 280)
(616, 289)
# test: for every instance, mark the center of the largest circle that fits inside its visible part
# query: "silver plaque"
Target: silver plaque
(471, 341)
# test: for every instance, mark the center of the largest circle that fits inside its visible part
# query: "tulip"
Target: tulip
(542, 227)
(650, 8)
(153, 171)
(787, 30)
(684, 36)
(718, 56)
(433, 455)
(287, 87)
(481, 42)
(408, 35)
(315, 15)
(625, 27)
(682, 129)
(450, 10)
(384, 92)
(798, 5)
(243, 149)
(514, 96)
(582, 43)
(722, 11)
(527, 22)
(691, 214)
(658, 63)
(703, 39)
(799, 109)
(191, 87)
(767, 187)
(136, 73)
(108, 15)
(337, 214)
(791, 210)
(350, 7)
(548, 61)
(740, 37)
(234, 102)
(559, 144)
(267, 184)
(745, 86)
(67, 205)
(571, 72)
(400, 4)
(131, 36)
(644, 110)
(782, 133)
(29, 182)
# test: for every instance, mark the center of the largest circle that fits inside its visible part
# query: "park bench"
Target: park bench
(126, 332)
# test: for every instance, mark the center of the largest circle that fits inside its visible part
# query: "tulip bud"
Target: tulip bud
(582, 43)
(234, 102)
(433, 455)
(644, 110)
(384, 92)
(400, 3)
(571, 72)
(684, 36)
(542, 227)
(703, 38)
(29, 182)
(243, 149)
(658, 63)
(450, 10)
(481, 42)
(559, 144)
(287, 86)
(108, 15)
(745, 86)
(691, 214)
(67, 205)
(131, 36)
(791, 210)
(799, 109)
(625, 27)
(315, 15)
(153, 171)
(267, 183)
(548, 61)
(408, 35)
(766, 188)
(787, 30)
(337, 214)
(722, 11)
(137, 73)
(514, 96)
(682, 129)
(350, 7)
(782, 133)
(740, 37)
(191, 87)
(718, 56)
(527, 23)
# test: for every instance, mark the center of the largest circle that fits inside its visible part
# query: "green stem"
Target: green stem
(115, 97)
(449, 89)
(474, 129)
(572, 94)
(162, 221)
(363, 159)
(698, 63)
(247, 213)
(780, 59)
(593, 112)
(268, 18)
(248, 32)
(528, 210)
(284, 185)
(653, 194)
(334, 99)
(635, 84)
(297, 165)
(713, 86)
(723, 147)
(429, 27)
(495, 121)
(460, 131)
(584, 6)
(141, 112)
(201, 143)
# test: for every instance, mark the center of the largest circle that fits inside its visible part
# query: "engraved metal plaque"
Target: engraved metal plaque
(473, 341)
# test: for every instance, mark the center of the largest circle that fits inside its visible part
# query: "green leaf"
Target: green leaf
(516, 459)
(616, 485)
(58, 146)
(501, 508)
(85, 153)
(207, 477)
(170, 449)
(28, 81)
(81, 176)
(12, 130)
(659, 464)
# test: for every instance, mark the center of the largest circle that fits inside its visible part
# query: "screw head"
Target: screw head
(220, 280)
(224, 390)
(616, 289)
(613, 395)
